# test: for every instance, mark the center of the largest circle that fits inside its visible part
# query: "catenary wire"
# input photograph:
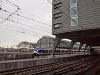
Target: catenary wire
(42, 26)
(9, 16)
(27, 11)
(26, 17)
(17, 14)
(19, 28)
(21, 32)
(26, 25)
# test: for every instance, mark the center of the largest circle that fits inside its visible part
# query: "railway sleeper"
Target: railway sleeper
(56, 68)
(64, 70)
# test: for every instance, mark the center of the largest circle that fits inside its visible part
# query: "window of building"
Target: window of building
(57, 15)
(73, 1)
(57, 5)
(74, 21)
(73, 13)
(57, 25)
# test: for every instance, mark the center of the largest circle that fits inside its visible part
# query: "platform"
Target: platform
(23, 63)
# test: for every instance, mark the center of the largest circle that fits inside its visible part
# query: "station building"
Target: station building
(26, 46)
(47, 42)
(77, 20)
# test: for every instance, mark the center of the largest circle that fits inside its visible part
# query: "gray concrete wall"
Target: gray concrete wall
(64, 19)
(16, 64)
(88, 16)
(89, 13)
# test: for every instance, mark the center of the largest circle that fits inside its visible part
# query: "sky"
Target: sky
(35, 21)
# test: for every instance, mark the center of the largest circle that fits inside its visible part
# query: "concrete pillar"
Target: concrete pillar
(56, 42)
(85, 48)
(89, 49)
(71, 46)
(80, 46)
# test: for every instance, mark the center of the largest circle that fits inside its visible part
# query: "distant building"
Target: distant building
(26, 45)
(2, 49)
(47, 43)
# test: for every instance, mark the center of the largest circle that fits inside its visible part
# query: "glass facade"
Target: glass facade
(73, 12)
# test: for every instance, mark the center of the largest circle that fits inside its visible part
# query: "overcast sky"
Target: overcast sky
(12, 33)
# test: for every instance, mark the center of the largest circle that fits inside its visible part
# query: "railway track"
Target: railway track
(60, 68)
(93, 70)
(72, 69)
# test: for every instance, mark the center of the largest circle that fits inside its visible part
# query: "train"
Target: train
(41, 51)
